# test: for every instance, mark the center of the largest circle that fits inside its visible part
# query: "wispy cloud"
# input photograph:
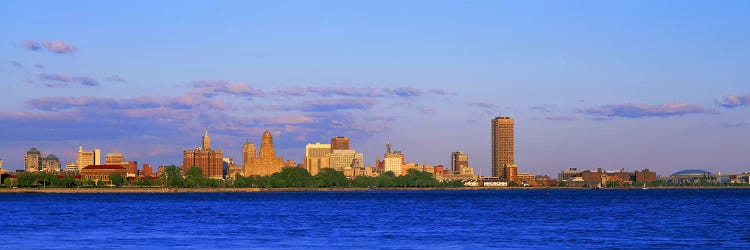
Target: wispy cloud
(86, 81)
(210, 88)
(544, 108)
(115, 78)
(734, 101)
(83, 80)
(484, 105)
(561, 118)
(334, 104)
(53, 46)
(644, 110)
(734, 124)
(405, 92)
(15, 64)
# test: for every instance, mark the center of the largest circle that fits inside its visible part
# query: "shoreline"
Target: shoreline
(133, 190)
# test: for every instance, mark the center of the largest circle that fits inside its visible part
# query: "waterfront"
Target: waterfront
(670, 218)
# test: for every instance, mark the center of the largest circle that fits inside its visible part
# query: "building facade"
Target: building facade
(51, 164)
(341, 159)
(266, 163)
(148, 170)
(208, 160)
(459, 162)
(32, 160)
(114, 158)
(102, 172)
(503, 145)
(87, 158)
(316, 157)
(248, 152)
(339, 143)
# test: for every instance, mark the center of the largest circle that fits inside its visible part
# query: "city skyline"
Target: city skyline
(631, 89)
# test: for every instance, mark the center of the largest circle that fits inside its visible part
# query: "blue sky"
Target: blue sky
(612, 84)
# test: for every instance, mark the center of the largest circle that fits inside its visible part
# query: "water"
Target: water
(381, 219)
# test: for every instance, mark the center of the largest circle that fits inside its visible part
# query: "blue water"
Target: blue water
(380, 219)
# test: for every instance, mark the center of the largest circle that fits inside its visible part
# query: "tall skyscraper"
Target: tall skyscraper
(459, 162)
(503, 147)
(316, 157)
(208, 160)
(86, 158)
(32, 160)
(267, 163)
(339, 143)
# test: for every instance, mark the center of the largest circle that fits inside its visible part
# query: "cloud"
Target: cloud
(52, 46)
(484, 105)
(15, 64)
(405, 92)
(328, 105)
(291, 91)
(54, 77)
(644, 110)
(344, 91)
(90, 102)
(438, 92)
(734, 101)
(544, 108)
(39, 66)
(86, 81)
(115, 78)
(561, 118)
(83, 80)
(734, 125)
(209, 88)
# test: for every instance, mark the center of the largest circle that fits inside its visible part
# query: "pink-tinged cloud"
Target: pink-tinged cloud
(484, 105)
(52, 46)
(561, 118)
(734, 101)
(211, 88)
(637, 110)
(288, 119)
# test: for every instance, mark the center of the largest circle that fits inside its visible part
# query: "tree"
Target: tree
(291, 177)
(329, 177)
(195, 177)
(174, 177)
(26, 180)
(116, 179)
(67, 181)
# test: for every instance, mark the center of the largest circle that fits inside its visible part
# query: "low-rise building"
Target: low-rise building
(102, 172)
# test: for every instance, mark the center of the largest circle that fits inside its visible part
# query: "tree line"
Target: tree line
(289, 177)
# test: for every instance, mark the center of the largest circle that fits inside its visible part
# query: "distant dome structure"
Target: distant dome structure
(33, 151)
(51, 157)
(692, 172)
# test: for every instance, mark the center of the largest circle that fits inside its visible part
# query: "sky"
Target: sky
(662, 85)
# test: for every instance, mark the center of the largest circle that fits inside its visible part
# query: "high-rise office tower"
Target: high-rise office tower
(502, 146)
(316, 157)
(206, 141)
(339, 143)
(114, 159)
(86, 158)
(459, 162)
